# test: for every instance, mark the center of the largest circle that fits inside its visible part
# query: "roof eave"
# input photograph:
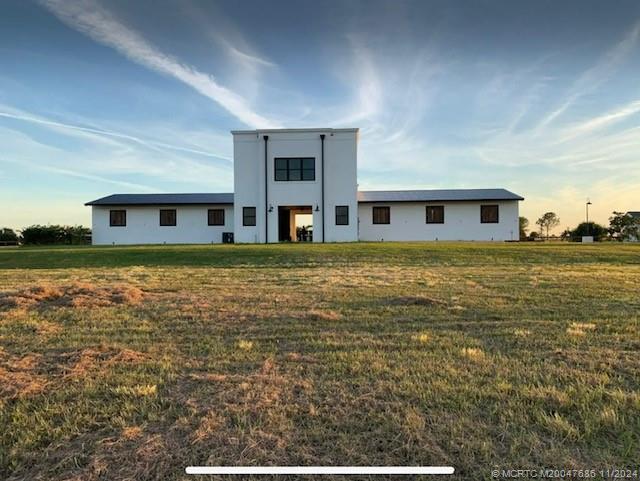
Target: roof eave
(116, 204)
(437, 200)
(275, 131)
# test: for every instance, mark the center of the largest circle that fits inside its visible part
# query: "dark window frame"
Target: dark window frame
(483, 216)
(246, 216)
(434, 219)
(293, 169)
(211, 212)
(167, 223)
(118, 212)
(381, 208)
(342, 218)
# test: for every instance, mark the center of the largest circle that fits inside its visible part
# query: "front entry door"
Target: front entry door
(284, 226)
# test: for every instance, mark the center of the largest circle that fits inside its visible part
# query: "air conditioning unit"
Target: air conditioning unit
(227, 237)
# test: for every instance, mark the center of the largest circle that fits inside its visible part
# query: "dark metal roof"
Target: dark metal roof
(363, 196)
(437, 195)
(163, 199)
(634, 213)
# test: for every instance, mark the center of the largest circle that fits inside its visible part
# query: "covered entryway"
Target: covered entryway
(295, 223)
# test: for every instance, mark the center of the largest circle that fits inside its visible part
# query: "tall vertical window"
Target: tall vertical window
(295, 168)
(168, 217)
(435, 214)
(489, 214)
(382, 215)
(215, 217)
(117, 218)
(248, 216)
(342, 215)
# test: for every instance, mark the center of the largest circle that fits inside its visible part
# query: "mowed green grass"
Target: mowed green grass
(132, 363)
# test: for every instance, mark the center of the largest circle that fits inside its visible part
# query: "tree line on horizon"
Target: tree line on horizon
(46, 235)
(622, 227)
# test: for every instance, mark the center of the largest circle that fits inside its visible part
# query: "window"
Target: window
(289, 169)
(435, 214)
(117, 218)
(382, 215)
(489, 214)
(248, 216)
(167, 217)
(215, 216)
(342, 215)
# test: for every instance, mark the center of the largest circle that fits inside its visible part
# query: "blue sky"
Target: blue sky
(542, 98)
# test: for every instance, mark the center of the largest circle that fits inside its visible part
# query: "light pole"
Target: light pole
(587, 206)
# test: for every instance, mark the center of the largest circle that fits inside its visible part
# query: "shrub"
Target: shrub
(56, 234)
(589, 229)
(8, 235)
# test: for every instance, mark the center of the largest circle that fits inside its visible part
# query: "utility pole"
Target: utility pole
(587, 207)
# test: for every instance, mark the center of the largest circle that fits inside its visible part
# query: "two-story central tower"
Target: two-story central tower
(284, 173)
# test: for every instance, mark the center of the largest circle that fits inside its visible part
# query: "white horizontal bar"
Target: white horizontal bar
(300, 470)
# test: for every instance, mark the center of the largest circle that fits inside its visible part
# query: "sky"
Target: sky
(538, 97)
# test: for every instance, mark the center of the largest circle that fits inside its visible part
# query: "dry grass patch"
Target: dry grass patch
(90, 360)
(251, 415)
(609, 416)
(474, 353)
(78, 294)
(46, 328)
(245, 345)
(19, 376)
(580, 328)
(559, 425)
(137, 391)
(415, 301)
(29, 297)
(422, 338)
(209, 377)
(209, 425)
(131, 432)
(297, 357)
(323, 315)
(519, 332)
(414, 422)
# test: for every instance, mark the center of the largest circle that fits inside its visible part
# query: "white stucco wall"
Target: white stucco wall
(143, 225)
(461, 222)
(340, 181)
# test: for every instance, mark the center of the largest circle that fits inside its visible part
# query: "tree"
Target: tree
(524, 225)
(548, 221)
(622, 226)
(8, 235)
(589, 229)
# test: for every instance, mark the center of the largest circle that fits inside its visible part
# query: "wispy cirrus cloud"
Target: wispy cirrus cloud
(103, 155)
(367, 85)
(244, 57)
(595, 76)
(154, 145)
(79, 174)
(98, 23)
(601, 121)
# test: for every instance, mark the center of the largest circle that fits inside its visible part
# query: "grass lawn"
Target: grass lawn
(134, 362)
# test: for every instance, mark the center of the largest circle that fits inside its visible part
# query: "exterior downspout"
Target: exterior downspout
(322, 164)
(266, 191)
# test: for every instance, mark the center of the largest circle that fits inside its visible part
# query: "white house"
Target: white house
(287, 178)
